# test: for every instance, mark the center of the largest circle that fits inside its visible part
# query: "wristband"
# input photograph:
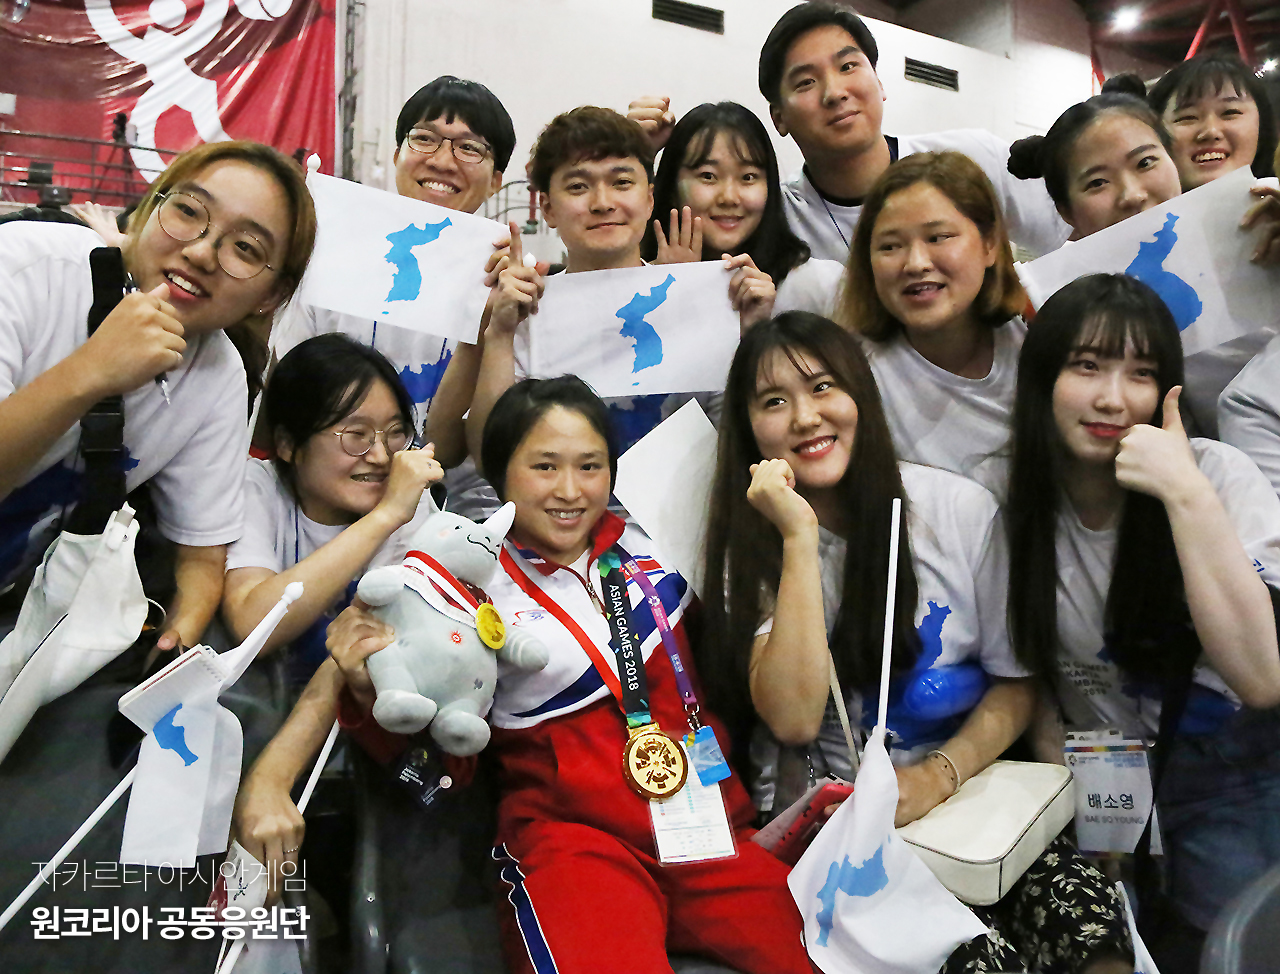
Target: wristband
(951, 765)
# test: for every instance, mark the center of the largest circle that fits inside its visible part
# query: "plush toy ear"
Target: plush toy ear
(501, 520)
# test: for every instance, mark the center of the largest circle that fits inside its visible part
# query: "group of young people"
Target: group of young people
(1070, 556)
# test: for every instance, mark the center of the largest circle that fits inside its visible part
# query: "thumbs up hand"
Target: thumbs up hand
(1158, 460)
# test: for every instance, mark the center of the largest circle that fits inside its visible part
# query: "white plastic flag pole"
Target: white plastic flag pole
(67, 848)
(890, 600)
(321, 761)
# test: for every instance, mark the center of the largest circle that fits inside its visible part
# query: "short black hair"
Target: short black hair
(318, 382)
(800, 20)
(449, 97)
(1207, 74)
(518, 410)
(587, 134)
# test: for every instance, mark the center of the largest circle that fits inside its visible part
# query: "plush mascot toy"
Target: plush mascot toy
(443, 666)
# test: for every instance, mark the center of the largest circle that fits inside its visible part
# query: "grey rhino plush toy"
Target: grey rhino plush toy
(442, 668)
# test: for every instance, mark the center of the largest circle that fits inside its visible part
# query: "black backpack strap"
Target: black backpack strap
(102, 427)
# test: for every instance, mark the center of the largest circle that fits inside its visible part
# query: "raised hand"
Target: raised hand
(1266, 215)
(772, 492)
(655, 117)
(100, 222)
(501, 257)
(684, 244)
(751, 290)
(1158, 460)
(412, 472)
(518, 289)
(141, 338)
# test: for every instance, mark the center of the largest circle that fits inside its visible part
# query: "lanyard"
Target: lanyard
(635, 700)
(683, 683)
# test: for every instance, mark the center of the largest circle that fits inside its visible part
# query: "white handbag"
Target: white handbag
(982, 839)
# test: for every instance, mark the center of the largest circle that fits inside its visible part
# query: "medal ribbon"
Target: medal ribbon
(530, 589)
(446, 583)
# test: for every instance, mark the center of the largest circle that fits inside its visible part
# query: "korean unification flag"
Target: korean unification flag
(389, 258)
(637, 331)
(870, 906)
(1192, 252)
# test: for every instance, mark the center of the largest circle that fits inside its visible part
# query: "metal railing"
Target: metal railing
(514, 197)
(30, 160)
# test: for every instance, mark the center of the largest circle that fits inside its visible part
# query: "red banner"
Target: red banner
(180, 71)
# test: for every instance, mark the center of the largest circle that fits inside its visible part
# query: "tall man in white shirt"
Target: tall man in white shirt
(818, 73)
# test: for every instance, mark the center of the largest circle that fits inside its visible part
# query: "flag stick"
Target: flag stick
(891, 597)
(67, 848)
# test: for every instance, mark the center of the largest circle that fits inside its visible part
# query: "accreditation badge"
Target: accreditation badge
(654, 764)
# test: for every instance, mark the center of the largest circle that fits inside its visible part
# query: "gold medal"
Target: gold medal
(653, 764)
(489, 626)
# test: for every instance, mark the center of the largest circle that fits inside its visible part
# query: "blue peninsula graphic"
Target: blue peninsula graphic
(930, 633)
(646, 343)
(172, 737)
(865, 879)
(422, 383)
(407, 283)
(1183, 302)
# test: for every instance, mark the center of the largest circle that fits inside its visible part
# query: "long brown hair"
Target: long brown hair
(249, 334)
(963, 182)
(745, 550)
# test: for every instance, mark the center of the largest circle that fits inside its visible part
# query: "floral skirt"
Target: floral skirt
(1059, 917)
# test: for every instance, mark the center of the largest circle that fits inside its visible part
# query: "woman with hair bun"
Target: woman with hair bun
(1103, 160)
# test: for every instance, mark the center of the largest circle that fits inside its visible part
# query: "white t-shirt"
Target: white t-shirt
(570, 681)
(1092, 689)
(1249, 412)
(961, 563)
(1030, 215)
(191, 449)
(813, 286)
(277, 535)
(946, 420)
(419, 358)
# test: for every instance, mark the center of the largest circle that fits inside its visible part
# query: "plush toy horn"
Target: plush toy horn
(500, 521)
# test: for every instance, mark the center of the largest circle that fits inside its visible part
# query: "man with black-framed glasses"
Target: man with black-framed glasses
(454, 139)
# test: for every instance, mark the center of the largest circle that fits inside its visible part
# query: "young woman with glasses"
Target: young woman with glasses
(343, 491)
(220, 240)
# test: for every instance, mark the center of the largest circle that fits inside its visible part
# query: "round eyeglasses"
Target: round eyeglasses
(185, 218)
(470, 151)
(357, 441)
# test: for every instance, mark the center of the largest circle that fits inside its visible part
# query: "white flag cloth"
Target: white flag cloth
(1192, 252)
(84, 608)
(189, 765)
(404, 261)
(870, 906)
(638, 330)
(664, 482)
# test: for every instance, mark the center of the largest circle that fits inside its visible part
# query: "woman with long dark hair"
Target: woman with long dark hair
(718, 180)
(1142, 571)
(799, 533)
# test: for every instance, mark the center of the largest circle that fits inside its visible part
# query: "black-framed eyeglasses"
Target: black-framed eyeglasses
(184, 218)
(470, 151)
(357, 440)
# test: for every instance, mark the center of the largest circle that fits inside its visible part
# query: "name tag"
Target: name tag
(692, 825)
(1113, 791)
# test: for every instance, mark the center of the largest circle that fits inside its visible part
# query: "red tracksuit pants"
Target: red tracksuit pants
(582, 888)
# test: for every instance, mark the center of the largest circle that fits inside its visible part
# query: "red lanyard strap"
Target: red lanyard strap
(606, 671)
